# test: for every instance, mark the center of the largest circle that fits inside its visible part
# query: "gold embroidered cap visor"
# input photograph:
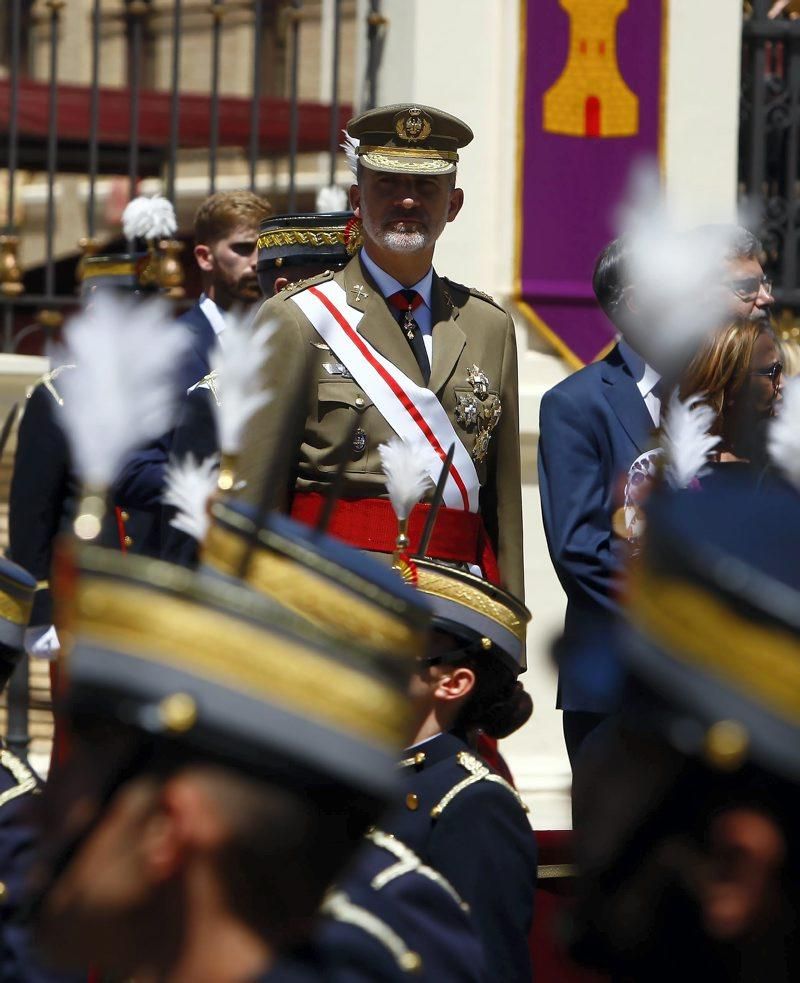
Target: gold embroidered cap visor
(409, 139)
(210, 666)
(303, 239)
(17, 589)
(463, 603)
(710, 662)
(344, 594)
(120, 271)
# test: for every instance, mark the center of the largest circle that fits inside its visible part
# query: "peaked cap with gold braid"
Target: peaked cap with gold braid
(714, 621)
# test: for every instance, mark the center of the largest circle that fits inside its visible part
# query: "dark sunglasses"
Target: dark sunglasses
(773, 373)
(748, 287)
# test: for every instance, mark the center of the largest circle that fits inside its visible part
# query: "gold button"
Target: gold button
(412, 801)
(128, 541)
(178, 712)
(124, 515)
(411, 962)
(2, 891)
(359, 401)
(726, 745)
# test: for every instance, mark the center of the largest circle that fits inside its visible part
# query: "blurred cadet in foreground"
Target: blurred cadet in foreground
(215, 791)
(687, 806)
(18, 788)
(44, 486)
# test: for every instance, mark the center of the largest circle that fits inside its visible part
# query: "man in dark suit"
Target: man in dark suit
(592, 426)
(225, 232)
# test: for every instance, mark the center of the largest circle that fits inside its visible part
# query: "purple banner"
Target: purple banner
(592, 90)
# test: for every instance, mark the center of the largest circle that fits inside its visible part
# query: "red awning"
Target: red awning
(155, 115)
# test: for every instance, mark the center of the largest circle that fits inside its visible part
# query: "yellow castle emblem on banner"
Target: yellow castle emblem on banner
(590, 98)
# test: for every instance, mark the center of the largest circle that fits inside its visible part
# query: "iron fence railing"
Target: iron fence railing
(769, 143)
(128, 141)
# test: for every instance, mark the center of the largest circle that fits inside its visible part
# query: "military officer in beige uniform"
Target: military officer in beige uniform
(387, 346)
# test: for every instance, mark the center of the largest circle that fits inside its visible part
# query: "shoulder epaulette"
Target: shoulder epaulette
(407, 861)
(478, 772)
(48, 381)
(292, 288)
(20, 772)
(475, 293)
(338, 906)
(210, 382)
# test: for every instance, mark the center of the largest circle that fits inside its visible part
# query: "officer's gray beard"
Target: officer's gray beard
(405, 242)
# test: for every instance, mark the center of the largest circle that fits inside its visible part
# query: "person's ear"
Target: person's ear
(204, 257)
(355, 200)
(184, 823)
(630, 300)
(454, 684)
(456, 203)
(280, 283)
(747, 851)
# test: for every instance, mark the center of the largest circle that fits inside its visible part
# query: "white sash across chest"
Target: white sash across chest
(413, 412)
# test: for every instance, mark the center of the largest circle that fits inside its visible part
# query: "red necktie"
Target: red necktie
(406, 302)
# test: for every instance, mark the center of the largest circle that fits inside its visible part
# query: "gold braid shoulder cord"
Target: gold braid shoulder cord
(478, 772)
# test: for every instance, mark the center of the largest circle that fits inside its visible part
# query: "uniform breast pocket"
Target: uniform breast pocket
(342, 405)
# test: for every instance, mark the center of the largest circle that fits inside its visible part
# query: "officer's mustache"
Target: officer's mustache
(414, 216)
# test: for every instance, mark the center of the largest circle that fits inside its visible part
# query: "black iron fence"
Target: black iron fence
(51, 128)
(769, 141)
(136, 131)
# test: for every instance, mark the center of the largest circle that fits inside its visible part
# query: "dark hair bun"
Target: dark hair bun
(507, 716)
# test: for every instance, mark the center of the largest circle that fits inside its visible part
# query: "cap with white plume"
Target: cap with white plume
(687, 442)
(122, 393)
(332, 199)
(189, 489)
(149, 218)
(350, 148)
(407, 481)
(239, 369)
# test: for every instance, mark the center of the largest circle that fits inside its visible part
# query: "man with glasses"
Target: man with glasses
(751, 290)
(593, 425)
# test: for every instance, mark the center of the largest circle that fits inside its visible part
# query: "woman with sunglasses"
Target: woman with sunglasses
(738, 372)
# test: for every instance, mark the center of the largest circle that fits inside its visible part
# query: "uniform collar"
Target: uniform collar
(387, 284)
(434, 750)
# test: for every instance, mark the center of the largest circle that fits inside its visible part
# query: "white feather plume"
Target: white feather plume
(406, 479)
(189, 486)
(350, 146)
(332, 199)
(686, 439)
(123, 392)
(239, 366)
(149, 218)
(783, 440)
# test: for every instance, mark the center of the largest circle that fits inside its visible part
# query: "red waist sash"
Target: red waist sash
(370, 524)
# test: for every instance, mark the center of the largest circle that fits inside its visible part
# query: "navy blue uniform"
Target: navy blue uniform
(45, 491)
(195, 433)
(141, 482)
(469, 824)
(18, 785)
(389, 919)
